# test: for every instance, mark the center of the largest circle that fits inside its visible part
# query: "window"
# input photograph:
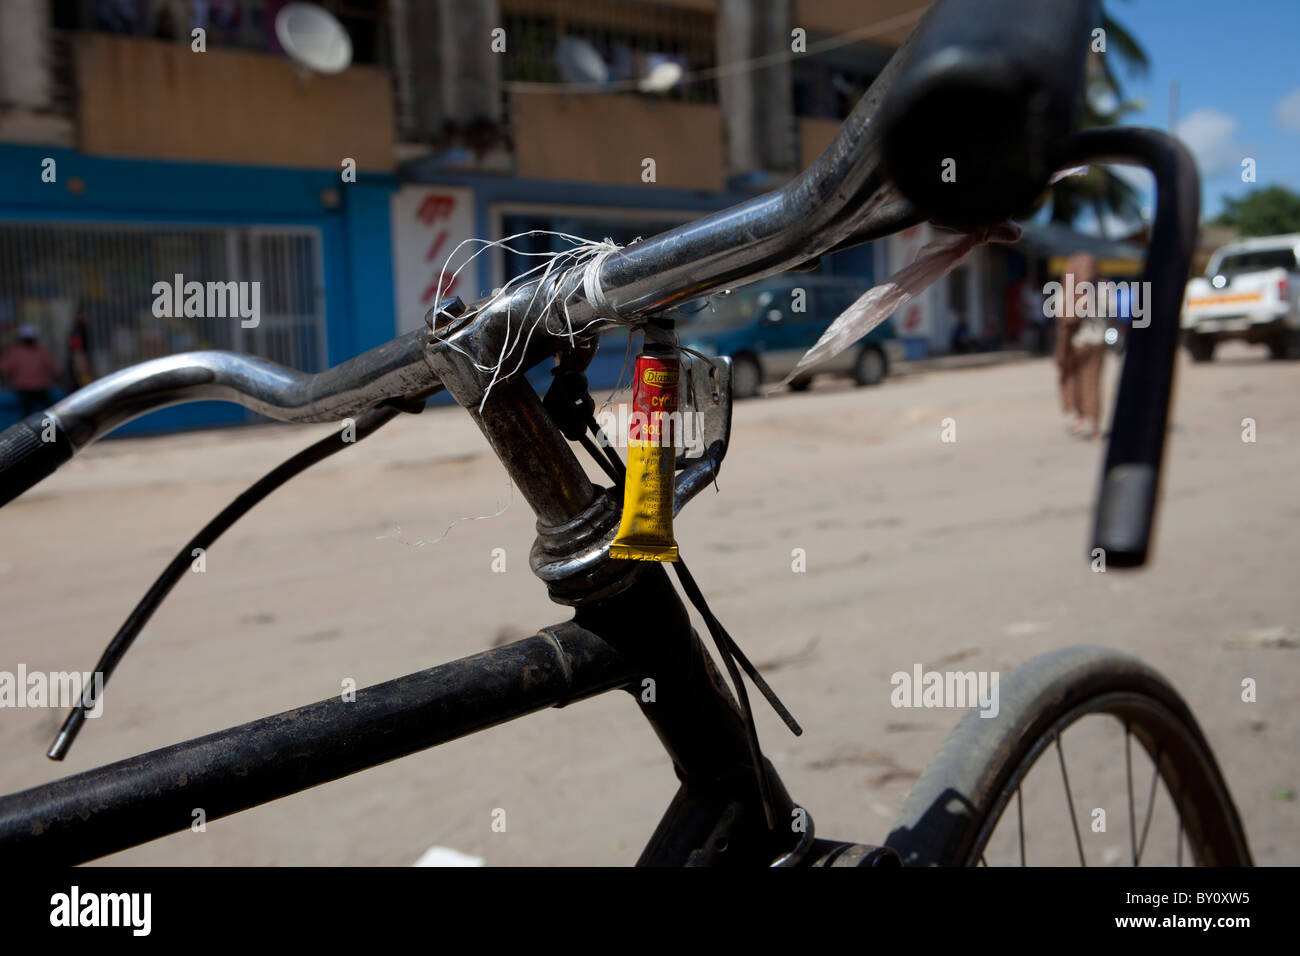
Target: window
(51, 272)
(1258, 261)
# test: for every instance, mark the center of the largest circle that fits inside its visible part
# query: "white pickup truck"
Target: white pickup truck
(1251, 291)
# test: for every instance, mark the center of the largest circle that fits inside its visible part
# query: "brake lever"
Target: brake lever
(1130, 478)
(706, 397)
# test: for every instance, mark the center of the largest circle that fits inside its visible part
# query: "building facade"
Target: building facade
(135, 151)
(144, 140)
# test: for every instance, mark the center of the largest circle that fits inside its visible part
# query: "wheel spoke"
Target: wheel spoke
(1128, 776)
(1179, 851)
(1020, 813)
(1151, 805)
(1069, 797)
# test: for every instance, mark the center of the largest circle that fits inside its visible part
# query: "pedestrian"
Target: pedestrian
(1081, 348)
(29, 368)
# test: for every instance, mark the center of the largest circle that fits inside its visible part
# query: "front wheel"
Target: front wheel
(1200, 347)
(870, 366)
(746, 377)
(988, 799)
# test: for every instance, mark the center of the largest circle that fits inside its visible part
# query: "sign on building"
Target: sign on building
(429, 222)
(915, 320)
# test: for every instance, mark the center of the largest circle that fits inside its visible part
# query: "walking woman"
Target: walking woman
(1080, 350)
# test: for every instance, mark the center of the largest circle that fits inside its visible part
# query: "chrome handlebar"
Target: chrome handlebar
(395, 370)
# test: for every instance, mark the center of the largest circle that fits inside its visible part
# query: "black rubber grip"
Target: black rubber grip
(989, 92)
(30, 452)
(1126, 510)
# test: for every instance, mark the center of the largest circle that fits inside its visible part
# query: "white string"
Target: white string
(583, 252)
(586, 254)
(397, 528)
(591, 286)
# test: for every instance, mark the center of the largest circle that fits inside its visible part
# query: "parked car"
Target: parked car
(1251, 291)
(768, 326)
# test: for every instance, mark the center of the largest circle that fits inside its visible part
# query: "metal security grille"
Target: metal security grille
(52, 272)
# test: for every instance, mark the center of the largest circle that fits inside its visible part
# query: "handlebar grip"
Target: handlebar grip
(990, 90)
(30, 452)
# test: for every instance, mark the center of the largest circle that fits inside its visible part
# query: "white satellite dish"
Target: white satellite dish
(313, 38)
(579, 62)
(662, 78)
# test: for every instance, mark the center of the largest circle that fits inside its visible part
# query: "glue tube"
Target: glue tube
(646, 530)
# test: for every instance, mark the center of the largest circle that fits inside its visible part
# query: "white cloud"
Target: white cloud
(1288, 111)
(1208, 134)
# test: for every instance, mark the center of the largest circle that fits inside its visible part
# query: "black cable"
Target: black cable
(601, 459)
(367, 423)
(613, 466)
(711, 619)
(616, 463)
(728, 650)
(724, 646)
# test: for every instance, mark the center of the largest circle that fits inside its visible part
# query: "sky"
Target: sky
(1237, 66)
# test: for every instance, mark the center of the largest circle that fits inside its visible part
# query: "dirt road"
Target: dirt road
(967, 554)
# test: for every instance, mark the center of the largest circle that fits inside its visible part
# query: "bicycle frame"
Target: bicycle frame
(629, 624)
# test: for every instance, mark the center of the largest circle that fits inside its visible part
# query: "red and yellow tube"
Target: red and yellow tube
(646, 530)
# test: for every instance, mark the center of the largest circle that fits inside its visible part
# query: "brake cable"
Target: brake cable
(730, 654)
(366, 424)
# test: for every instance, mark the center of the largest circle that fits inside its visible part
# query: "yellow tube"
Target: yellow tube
(645, 532)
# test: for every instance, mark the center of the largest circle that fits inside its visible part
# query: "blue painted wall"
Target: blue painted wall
(356, 239)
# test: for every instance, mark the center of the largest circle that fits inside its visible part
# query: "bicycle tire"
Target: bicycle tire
(957, 802)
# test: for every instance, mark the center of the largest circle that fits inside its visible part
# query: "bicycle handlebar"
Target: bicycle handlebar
(35, 448)
(30, 452)
(988, 94)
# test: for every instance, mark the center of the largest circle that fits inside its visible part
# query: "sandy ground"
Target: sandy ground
(963, 555)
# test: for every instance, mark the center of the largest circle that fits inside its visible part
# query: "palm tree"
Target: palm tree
(1105, 104)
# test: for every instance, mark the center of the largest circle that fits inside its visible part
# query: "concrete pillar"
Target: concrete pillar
(470, 70)
(448, 79)
(24, 55)
(756, 102)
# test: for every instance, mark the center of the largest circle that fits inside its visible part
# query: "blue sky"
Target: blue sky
(1237, 64)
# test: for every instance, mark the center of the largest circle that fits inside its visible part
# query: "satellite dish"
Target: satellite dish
(580, 62)
(313, 38)
(662, 78)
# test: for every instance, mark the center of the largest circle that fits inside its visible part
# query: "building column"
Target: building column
(26, 79)
(448, 77)
(756, 101)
